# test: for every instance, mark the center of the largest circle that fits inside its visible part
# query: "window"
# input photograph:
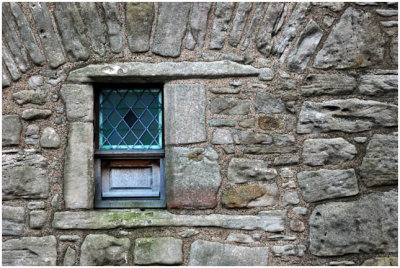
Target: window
(129, 147)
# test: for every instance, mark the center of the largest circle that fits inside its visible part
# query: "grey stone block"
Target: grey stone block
(34, 114)
(36, 205)
(11, 129)
(37, 96)
(289, 250)
(102, 249)
(230, 106)
(223, 14)
(25, 176)
(79, 102)
(268, 103)
(379, 85)
(78, 168)
(221, 122)
(255, 20)
(95, 28)
(185, 113)
(242, 170)
(206, 253)
(69, 257)
(139, 22)
(13, 222)
(350, 115)
(240, 238)
(50, 138)
(114, 26)
(328, 84)
(327, 184)
(319, 152)
(10, 64)
(380, 163)
(290, 198)
(37, 219)
(222, 136)
(158, 250)
(367, 225)
(193, 177)
(30, 251)
(239, 22)
(197, 29)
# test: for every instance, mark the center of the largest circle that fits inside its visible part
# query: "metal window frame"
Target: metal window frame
(128, 154)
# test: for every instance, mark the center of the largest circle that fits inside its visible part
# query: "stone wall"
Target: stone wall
(280, 123)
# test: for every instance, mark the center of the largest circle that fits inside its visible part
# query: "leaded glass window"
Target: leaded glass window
(130, 118)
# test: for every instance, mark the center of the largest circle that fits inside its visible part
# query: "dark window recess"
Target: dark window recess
(129, 155)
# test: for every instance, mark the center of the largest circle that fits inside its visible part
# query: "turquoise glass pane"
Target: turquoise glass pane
(130, 119)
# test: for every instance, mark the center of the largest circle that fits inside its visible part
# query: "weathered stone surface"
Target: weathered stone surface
(185, 113)
(381, 261)
(48, 38)
(341, 263)
(171, 28)
(328, 84)
(69, 257)
(379, 85)
(240, 238)
(286, 159)
(95, 29)
(289, 32)
(35, 81)
(327, 184)
(290, 198)
(379, 166)
(270, 221)
(163, 71)
(188, 233)
(319, 152)
(102, 249)
(72, 238)
(78, 101)
(288, 250)
(287, 172)
(271, 122)
(269, 28)
(270, 198)
(206, 253)
(30, 251)
(70, 27)
(32, 135)
(11, 129)
(35, 114)
(37, 96)
(222, 136)
(11, 38)
(193, 177)
(242, 170)
(230, 106)
(387, 24)
(50, 138)
(267, 103)
(139, 21)
(255, 20)
(36, 205)
(114, 26)
(281, 237)
(78, 167)
(305, 46)
(394, 50)
(300, 210)
(266, 74)
(197, 29)
(334, 6)
(355, 41)
(241, 196)
(225, 90)
(10, 63)
(25, 176)
(54, 201)
(26, 34)
(5, 79)
(222, 17)
(13, 222)
(297, 225)
(286, 84)
(221, 122)
(328, 20)
(37, 219)
(280, 144)
(158, 250)
(247, 122)
(239, 22)
(387, 12)
(364, 226)
(351, 115)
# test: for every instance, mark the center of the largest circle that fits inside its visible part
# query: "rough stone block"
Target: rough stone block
(193, 177)
(113, 21)
(223, 14)
(240, 238)
(185, 113)
(288, 250)
(158, 250)
(30, 251)
(290, 198)
(240, 196)
(139, 21)
(197, 29)
(350, 115)
(379, 85)
(102, 249)
(78, 101)
(328, 84)
(13, 222)
(230, 106)
(25, 176)
(78, 167)
(222, 136)
(37, 96)
(379, 166)
(319, 152)
(381, 261)
(37, 219)
(326, 184)
(50, 138)
(367, 225)
(270, 198)
(34, 114)
(242, 170)
(267, 103)
(69, 257)
(11, 129)
(206, 253)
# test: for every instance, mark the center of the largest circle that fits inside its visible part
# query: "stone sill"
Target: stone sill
(270, 221)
